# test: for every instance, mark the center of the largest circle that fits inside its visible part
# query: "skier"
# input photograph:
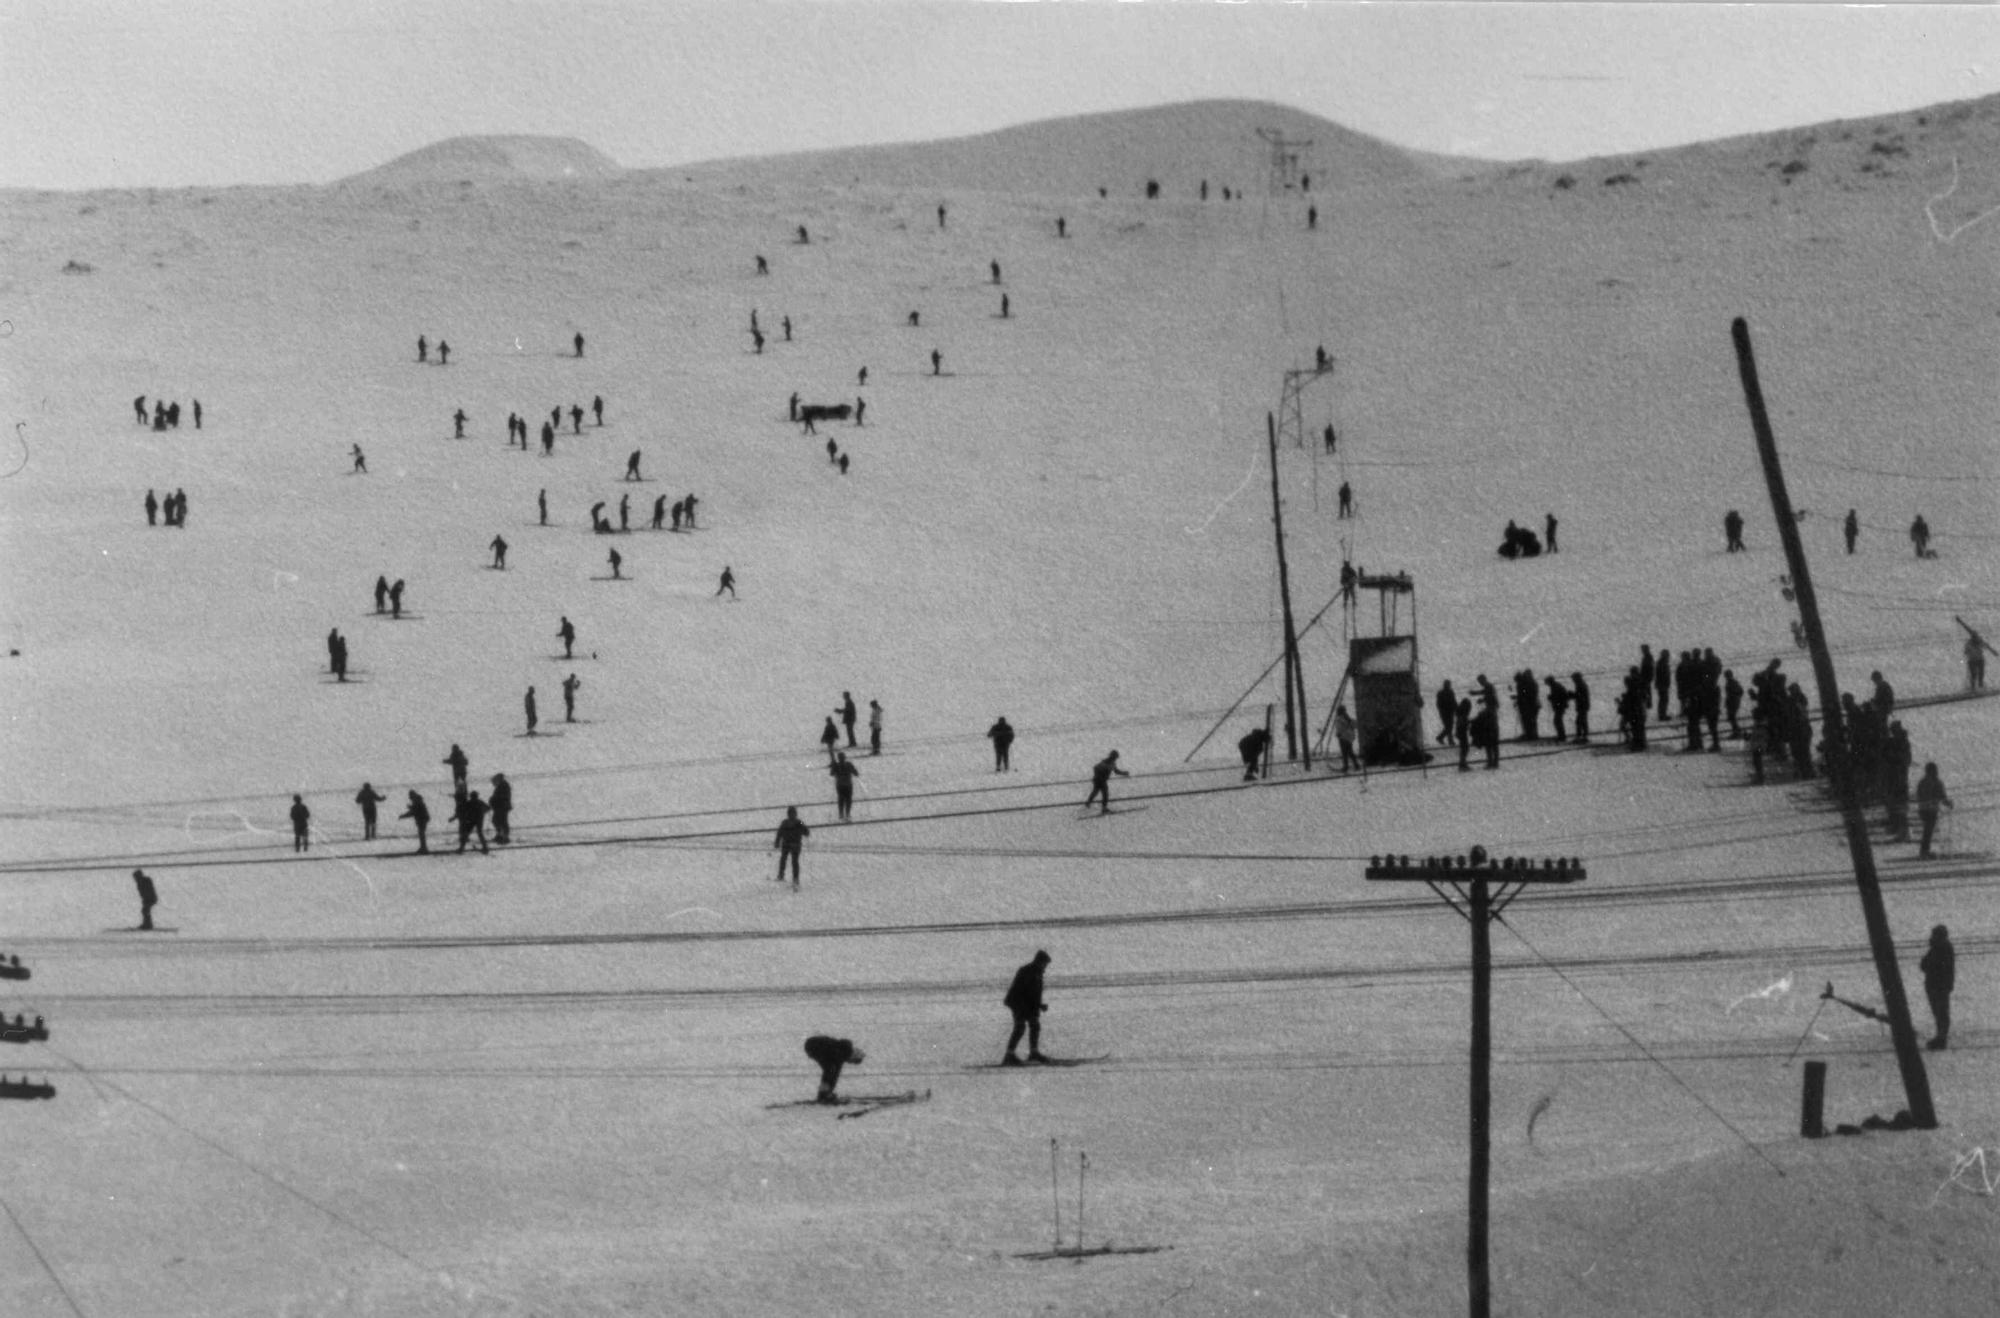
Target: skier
(844, 775)
(624, 512)
(499, 548)
(1558, 705)
(1005, 308)
(597, 523)
(632, 466)
(1549, 531)
(616, 562)
(548, 440)
(579, 345)
(831, 1054)
(1100, 782)
(1343, 732)
(456, 759)
(360, 467)
(148, 897)
(1732, 530)
(1251, 747)
(1975, 664)
(301, 820)
(937, 360)
(419, 816)
(829, 737)
(1001, 734)
(728, 582)
(500, 803)
(1346, 500)
(444, 353)
(470, 815)
(139, 407)
(197, 414)
(368, 798)
(396, 599)
(1732, 702)
(847, 714)
(1461, 728)
(659, 512)
(542, 506)
(570, 686)
(423, 349)
(152, 509)
(1579, 692)
(874, 706)
(1940, 969)
(1024, 1000)
(575, 419)
(597, 408)
(381, 594)
(458, 424)
(567, 633)
(528, 704)
(1447, 710)
(688, 507)
(1850, 530)
(1930, 794)
(785, 323)
(339, 657)
(860, 409)
(792, 834)
(678, 510)
(1920, 536)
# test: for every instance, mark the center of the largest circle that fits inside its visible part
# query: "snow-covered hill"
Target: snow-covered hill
(537, 1080)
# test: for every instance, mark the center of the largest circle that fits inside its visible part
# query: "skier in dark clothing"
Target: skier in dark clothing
(844, 774)
(791, 836)
(148, 897)
(396, 599)
(542, 506)
(1024, 999)
(1579, 692)
(1251, 748)
(1461, 728)
(1549, 532)
(456, 759)
(301, 823)
(831, 1054)
(1663, 681)
(567, 633)
(728, 582)
(1850, 530)
(1732, 530)
(659, 512)
(444, 353)
(1001, 734)
(597, 408)
(1343, 734)
(1558, 706)
(1100, 782)
(139, 407)
(1930, 795)
(1940, 968)
(471, 818)
(579, 345)
(423, 349)
(624, 512)
(152, 509)
(500, 803)
(848, 713)
(632, 466)
(381, 594)
(1920, 536)
(528, 706)
(575, 419)
(548, 440)
(458, 424)
(829, 737)
(499, 548)
(569, 690)
(874, 716)
(419, 816)
(1447, 708)
(368, 798)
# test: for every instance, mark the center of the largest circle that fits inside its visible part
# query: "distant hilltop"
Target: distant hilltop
(1177, 145)
(495, 159)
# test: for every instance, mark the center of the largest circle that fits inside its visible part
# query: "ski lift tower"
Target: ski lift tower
(1388, 698)
(1284, 159)
(1291, 401)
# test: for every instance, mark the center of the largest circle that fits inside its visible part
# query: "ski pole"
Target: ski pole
(1055, 1191)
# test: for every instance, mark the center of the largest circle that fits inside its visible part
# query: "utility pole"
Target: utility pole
(1295, 677)
(1909, 1058)
(1482, 891)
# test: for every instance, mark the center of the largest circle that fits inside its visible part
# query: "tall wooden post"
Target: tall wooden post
(1294, 676)
(1478, 1283)
(1909, 1057)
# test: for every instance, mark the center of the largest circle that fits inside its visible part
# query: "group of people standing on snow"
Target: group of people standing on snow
(165, 415)
(173, 509)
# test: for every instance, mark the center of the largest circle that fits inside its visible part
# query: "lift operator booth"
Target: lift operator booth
(1388, 699)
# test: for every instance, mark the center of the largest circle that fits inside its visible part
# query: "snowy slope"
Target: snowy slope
(536, 1081)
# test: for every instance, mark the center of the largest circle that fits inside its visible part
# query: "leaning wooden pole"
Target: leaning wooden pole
(1295, 681)
(1909, 1058)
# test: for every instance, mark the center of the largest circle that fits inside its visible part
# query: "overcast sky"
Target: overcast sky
(105, 93)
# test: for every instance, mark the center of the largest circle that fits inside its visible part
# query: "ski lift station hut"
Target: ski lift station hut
(1388, 695)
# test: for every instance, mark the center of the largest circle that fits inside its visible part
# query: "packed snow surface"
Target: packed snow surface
(555, 1078)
